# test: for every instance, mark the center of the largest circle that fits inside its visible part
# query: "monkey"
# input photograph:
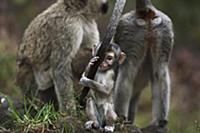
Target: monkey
(146, 36)
(99, 105)
(49, 45)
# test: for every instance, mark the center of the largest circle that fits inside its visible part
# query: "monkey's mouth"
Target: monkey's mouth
(104, 66)
(104, 8)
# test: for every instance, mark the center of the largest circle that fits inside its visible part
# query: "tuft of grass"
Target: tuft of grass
(31, 120)
(44, 119)
(38, 117)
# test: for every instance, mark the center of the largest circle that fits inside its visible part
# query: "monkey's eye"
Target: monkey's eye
(109, 57)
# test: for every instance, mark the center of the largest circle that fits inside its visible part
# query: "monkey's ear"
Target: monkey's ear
(122, 58)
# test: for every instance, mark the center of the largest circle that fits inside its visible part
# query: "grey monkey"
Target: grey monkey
(99, 105)
(49, 45)
(146, 36)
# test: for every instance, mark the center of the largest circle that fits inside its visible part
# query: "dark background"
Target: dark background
(15, 15)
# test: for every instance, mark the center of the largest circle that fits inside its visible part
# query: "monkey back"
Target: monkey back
(137, 36)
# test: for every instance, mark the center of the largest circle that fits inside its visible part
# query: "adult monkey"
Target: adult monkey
(146, 36)
(105, 44)
(50, 43)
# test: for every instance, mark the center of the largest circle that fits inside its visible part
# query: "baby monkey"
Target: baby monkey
(99, 105)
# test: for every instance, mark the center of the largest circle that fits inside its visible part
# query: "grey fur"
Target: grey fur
(148, 48)
(99, 106)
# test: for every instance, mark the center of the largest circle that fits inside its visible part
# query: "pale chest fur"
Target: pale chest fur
(106, 79)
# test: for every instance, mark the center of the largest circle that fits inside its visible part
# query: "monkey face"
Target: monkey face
(104, 7)
(98, 6)
(108, 61)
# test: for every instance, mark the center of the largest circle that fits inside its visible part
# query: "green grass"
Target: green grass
(43, 119)
(33, 117)
(37, 117)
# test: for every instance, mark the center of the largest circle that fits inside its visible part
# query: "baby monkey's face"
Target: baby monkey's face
(108, 61)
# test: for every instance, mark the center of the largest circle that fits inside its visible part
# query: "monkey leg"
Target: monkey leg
(110, 118)
(110, 114)
(92, 112)
(62, 78)
(160, 94)
(160, 77)
(123, 90)
(45, 86)
(133, 107)
(64, 90)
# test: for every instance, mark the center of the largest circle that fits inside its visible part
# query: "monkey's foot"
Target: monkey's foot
(154, 129)
(91, 125)
(109, 129)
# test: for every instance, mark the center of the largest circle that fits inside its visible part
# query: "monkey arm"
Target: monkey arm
(91, 35)
(96, 86)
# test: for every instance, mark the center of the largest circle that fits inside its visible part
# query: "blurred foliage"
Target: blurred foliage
(7, 73)
(186, 19)
(184, 14)
(15, 15)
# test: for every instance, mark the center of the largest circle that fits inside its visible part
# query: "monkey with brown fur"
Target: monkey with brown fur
(49, 45)
(99, 107)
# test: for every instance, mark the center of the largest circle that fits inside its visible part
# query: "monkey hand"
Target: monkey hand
(93, 60)
(84, 81)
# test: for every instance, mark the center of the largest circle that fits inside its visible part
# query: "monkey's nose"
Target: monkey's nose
(104, 8)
